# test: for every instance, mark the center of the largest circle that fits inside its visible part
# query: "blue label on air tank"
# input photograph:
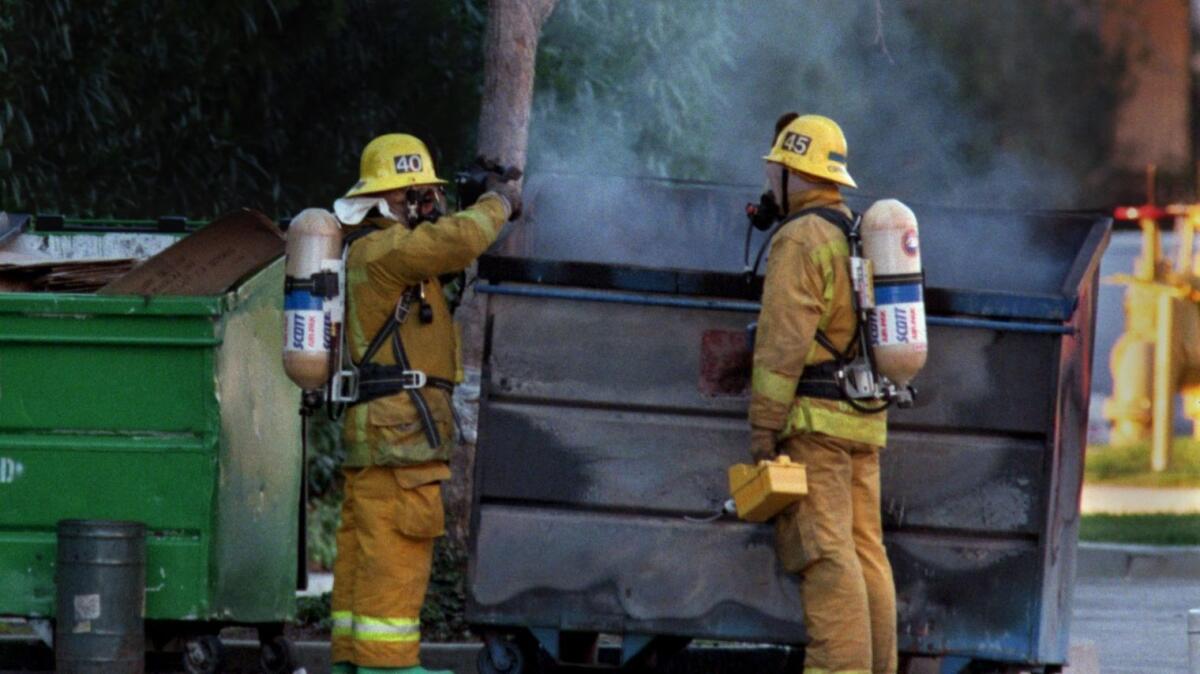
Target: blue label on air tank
(301, 300)
(898, 294)
(899, 316)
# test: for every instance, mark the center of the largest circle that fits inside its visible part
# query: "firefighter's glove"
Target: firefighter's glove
(762, 444)
(507, 185)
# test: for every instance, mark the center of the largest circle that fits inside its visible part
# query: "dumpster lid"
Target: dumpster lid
(687, 237)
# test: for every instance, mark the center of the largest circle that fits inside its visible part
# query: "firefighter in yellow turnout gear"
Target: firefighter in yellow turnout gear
(833, 536)
(400, 434)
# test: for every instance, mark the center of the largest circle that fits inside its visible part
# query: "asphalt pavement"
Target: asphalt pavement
(1136, 625)
(1130, 617)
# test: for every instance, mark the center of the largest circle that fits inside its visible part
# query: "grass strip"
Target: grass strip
(1152, 529)
(1130, 465)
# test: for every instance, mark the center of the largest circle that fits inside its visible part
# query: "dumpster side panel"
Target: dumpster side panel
(604, 427)
(257, 510)
(962, 482)
(601, 459)
(106, 414)
(1065, 468)
(111, 374)
(176, 574)
(631, 574)
(106, 484)
(615, 355)
(968, 594)
(596, 433)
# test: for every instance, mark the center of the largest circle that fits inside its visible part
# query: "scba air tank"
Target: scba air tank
(890, 240)
(313, 304)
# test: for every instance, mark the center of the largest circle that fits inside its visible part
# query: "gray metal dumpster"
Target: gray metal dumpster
(613, 400)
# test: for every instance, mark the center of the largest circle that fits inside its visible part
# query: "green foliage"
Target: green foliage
(1130, 465)
(143, 109)
(131, 109)
(314, 611)
(1155, 529)
(442, 615)
(325, 455)
(323, 517)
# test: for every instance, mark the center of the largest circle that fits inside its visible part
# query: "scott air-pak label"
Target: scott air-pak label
(899, 316)
(308, 326)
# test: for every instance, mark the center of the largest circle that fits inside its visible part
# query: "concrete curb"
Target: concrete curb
(1111, 560)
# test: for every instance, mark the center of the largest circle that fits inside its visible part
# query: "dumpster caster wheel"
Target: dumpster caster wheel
(515, 664)
(278, 656)
(204, 654)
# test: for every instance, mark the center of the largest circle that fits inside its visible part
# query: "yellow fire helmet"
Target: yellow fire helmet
(815, 146)
(394, 161)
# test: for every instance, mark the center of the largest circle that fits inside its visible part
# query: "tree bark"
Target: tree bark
(510, 50)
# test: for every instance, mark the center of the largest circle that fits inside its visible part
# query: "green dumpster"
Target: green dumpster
(173, 411)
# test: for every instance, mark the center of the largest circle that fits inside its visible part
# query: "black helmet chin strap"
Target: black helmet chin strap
(784, 205)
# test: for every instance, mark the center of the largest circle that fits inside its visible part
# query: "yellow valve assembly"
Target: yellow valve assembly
(761, 491)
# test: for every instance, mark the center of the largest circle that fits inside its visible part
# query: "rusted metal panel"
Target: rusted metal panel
(631, 574)
(980, 483)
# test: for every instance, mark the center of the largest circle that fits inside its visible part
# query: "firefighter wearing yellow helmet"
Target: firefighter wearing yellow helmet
(399, 433)
(833, 536)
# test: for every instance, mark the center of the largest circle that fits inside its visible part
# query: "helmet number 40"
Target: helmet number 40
(409, 163)
(795, 142)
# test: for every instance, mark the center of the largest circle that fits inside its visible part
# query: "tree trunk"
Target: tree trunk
(510, 49)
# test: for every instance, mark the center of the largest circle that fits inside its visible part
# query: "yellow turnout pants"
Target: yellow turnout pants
(384, 557)
(833, 537)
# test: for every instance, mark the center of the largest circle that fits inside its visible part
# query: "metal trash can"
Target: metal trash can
(612, 405)
(101, 586)
(169, 410)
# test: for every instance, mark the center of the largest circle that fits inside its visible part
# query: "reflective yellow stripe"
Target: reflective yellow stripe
(366, 628)
(413, 636)
(843, 423)
(776, 387)
(386, 622)
(343, 623)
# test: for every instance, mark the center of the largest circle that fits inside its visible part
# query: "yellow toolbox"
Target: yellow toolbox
(761, 491)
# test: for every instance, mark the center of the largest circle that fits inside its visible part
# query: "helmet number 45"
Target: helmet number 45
(795, 142)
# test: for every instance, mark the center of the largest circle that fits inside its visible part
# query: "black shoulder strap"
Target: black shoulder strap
(357, 234)
(832, 215)
(838, 218)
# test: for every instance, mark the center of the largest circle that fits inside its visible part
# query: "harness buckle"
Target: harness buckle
(411, 379)
(402, 309)
(344, 386)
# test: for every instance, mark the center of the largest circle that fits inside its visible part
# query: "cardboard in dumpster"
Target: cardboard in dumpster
(32, 274)
(208, 261)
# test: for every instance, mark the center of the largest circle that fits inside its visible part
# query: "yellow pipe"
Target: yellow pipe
(1148, 265)
(1163, 399)
(1185, 232)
